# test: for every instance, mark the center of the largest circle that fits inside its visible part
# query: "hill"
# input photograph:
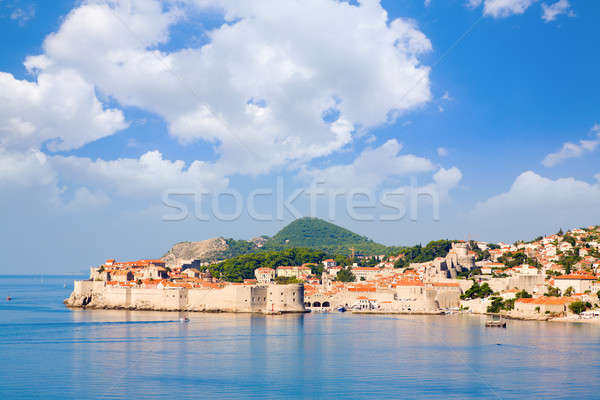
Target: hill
(209, 250)
(315, 233)
(307, 233)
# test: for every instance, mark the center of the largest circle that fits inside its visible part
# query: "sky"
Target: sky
(129, 125)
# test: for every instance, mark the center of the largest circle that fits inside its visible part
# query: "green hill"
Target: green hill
(318, 234)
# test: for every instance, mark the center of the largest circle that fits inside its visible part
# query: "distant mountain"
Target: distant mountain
(209, 250)
(315, 233)
(310, 233)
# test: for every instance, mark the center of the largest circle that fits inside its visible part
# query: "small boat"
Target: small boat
(8, 298)
(495, 323)
(184, 320)
(341, 309)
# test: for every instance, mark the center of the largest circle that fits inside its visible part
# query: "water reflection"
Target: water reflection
(53, 352)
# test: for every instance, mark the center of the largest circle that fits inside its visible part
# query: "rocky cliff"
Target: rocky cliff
(186, 252)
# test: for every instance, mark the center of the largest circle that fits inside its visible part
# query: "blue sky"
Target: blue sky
(108, 105)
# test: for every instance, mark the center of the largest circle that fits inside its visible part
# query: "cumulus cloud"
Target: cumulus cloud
(148, 175)
(371, 168)
(552, 11)
(60, 108)
(573, 150)
(536, 202)
(85, 198)
(447, 179)
(29, 168)
(501, 8)
(260, 86)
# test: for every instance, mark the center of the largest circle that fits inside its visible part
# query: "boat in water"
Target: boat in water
(184, 320)
(8, 298)
(341, 309)
(495, 322)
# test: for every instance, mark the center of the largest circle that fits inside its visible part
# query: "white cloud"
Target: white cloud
(149, 175)
(474, 3)
(537, 202)
(85, 198)
(550, 12)
(442, 151)
(573, 150)
(501, 8)
(299, 59)
(371, 168)
(22, 15)
(447, 179)
(30, 168)
(60, 108)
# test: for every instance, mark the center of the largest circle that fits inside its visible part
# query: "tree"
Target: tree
(477, 291)
(523, 294)
(285, 280)
(570, 239)
(496, 305)
(552, 292)
(569, 291)
(577, 307)
(560, 232)
(345, 275)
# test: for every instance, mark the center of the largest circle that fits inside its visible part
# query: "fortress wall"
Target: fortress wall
(232, 298)
(448, 299)
(153, 299)
(527, 282)
(285, 298)
(229, 299)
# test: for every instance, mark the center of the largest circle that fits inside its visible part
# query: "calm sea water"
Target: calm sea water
(50, 352)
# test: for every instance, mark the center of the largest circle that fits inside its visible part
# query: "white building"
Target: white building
(579, 282)
(264, 275)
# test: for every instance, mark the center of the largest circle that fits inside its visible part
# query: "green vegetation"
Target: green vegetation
(419, 254)
(496, 305)
(569, 291)
(516, 258)
(316, 233)
(477, 292)
(345, 275)
(285, 280)
(242, 267)
(552, 292)
(577, 307)
(237, 248)
(570, 239)
(568, 260)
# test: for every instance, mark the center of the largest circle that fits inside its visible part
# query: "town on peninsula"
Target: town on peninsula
(313, 265)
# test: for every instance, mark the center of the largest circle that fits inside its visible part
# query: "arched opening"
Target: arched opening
(316, 304)
(326, 304)
(307, 304)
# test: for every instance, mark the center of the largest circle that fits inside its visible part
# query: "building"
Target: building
(329, 263)
(191, 273)
(365, 273)
(579, 282)
(299, 272)
(543, 305)
(264, 275)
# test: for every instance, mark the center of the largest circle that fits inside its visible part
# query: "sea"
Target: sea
(48, 351)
